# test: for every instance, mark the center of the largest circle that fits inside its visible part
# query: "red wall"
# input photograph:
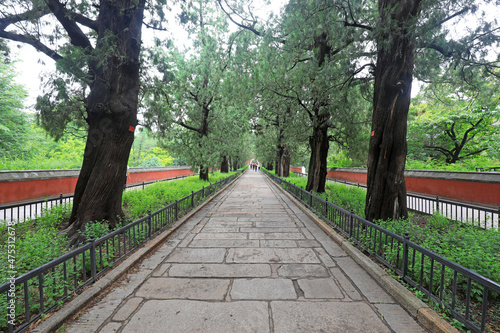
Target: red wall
(349, 176)
(19, 186)
(139, 177)
(469, 186)
(33, 189)
(296, 169)
(486, 193)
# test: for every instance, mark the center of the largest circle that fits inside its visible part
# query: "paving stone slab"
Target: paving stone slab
(180, 316)
(197, 255)
(346, 284)
(398, 319)
(308, 243)
(275, 235)
(271, 230)
(220, 270)
(278, 224)
(219, 230)
(225, 243)
(223, 235)
(272, 255)
(325, 258)
(178, 288)
(128, 308)
(364, 282)
(111, 328)
(316, 317)
(233, 224)
(262, 289)
(278, 243)
(302, 271)
(161, 270)
(320, 288)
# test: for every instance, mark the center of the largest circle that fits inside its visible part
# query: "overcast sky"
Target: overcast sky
(32, 64)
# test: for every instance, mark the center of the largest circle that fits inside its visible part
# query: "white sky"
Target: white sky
(31, 64)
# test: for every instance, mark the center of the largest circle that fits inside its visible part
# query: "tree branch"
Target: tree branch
(35, 13)
(26, 39)
(76, 35)
(189, 127)
(250, 28)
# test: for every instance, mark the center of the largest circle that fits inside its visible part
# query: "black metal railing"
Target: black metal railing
(487, 169)
(469, 297)
(478, 216)
(19, 212)
(45, 288)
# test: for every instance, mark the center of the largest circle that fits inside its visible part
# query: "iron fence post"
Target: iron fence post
(437, 204)
(404, 267)
(326, 207)
(203, 191)
(149, 224)
(176, 209)
(93, 260)
(351, 223)
(60, 199)
(192, 199)
(310, 199)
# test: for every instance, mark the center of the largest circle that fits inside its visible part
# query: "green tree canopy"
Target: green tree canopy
(13, 119)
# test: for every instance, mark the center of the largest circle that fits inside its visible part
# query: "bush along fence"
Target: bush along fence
(25, 299)
(19, 212)
(470, 298)
(478, 216)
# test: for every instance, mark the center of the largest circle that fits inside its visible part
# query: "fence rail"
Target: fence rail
(469, 297)
(45, 288)
(479, 216)
(19, 212)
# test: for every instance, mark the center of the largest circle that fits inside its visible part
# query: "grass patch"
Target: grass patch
(137, 203)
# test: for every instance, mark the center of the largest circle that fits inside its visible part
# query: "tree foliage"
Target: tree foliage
(452, 123)
(13, 120)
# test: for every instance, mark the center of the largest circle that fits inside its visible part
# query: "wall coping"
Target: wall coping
(24, 175)
(474, 176)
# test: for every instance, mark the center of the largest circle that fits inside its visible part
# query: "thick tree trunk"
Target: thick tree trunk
(224, 165)
(319, 144)
(270, 166)
(203, 173)
(286, 162)
(279, 159)
(112, 116)
(386, 193)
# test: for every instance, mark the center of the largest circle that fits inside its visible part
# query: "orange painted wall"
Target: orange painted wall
(139, 177)
(34, 189)
(30, 189)
(468, 190)
(486, 193)
(296, 169)
(349, 176)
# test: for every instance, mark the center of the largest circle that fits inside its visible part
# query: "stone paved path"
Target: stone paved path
(250, 261)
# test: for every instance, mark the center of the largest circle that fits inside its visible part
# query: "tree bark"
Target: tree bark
(224, 165)
(319, 144)
(286, 162)
(203, 173)
(386, 192)
(112, 115)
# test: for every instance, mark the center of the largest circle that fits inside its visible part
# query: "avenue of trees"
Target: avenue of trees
(321, 76)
